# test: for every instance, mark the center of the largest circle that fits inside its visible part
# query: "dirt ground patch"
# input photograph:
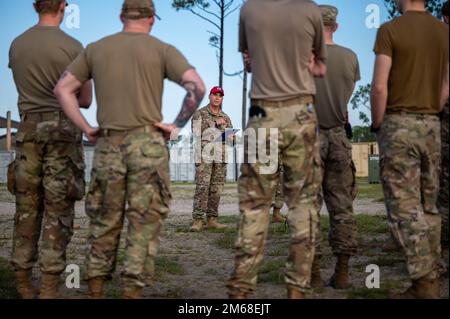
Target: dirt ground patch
(197, 265)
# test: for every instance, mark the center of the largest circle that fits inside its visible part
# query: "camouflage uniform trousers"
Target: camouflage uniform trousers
(49, 178)
(338, 191)
(210, 179)
(410, 155)
(298, 143)
(443, 193)
(130, 177)
(278, 200)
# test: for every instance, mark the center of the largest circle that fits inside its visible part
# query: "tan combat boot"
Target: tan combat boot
(420, 289)
(277, 217)
(24, 286)
(316, 277)
(96, 286)
(50, 287)
(340, 278)
(214, 224)
(132, 293)
(293, 293)
(197, 226)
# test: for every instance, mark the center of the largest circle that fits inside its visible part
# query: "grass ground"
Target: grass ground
(197, 265)
(369, 191)
(7, 284)
(5, 196)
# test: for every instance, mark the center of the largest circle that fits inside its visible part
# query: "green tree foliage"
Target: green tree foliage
(361, 102)
(363, 134)
(434, 6)
(215, 13)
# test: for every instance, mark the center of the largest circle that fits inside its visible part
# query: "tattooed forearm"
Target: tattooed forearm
(190, 104)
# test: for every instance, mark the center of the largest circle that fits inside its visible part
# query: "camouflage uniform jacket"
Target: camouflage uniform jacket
(203, 121)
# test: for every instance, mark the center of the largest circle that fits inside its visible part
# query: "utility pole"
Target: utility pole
(222, 34)
(244, 100)
(244, 119)
(8, 131)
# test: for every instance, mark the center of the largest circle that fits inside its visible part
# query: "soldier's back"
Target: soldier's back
(335, 89)
(419, 47)
(280, 37)
(37, 58)
(129, 71)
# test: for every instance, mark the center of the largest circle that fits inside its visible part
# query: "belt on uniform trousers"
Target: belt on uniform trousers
(141, 129)
(404, 113)
(43, 116)
(304, 99)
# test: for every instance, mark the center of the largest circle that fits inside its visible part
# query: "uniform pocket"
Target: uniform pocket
(11, 184)
(306, 114)
(67, 221)
(302, 117)
(340, 151)
(155, 148)
(62, 135)
(316, 175)
(354, 189)
(164, 191)
(26, 132)
(94, 197)
(20, 137)
(347, 144)
(77, 183)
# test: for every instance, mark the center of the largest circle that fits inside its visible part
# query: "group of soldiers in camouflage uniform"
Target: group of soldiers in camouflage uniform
(130, 175)
(302, 83)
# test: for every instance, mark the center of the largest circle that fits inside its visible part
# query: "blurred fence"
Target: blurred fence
(182, 165)
(180, 170)
(5, 159)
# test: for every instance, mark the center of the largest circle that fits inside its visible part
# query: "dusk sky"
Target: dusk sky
(190, 35)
